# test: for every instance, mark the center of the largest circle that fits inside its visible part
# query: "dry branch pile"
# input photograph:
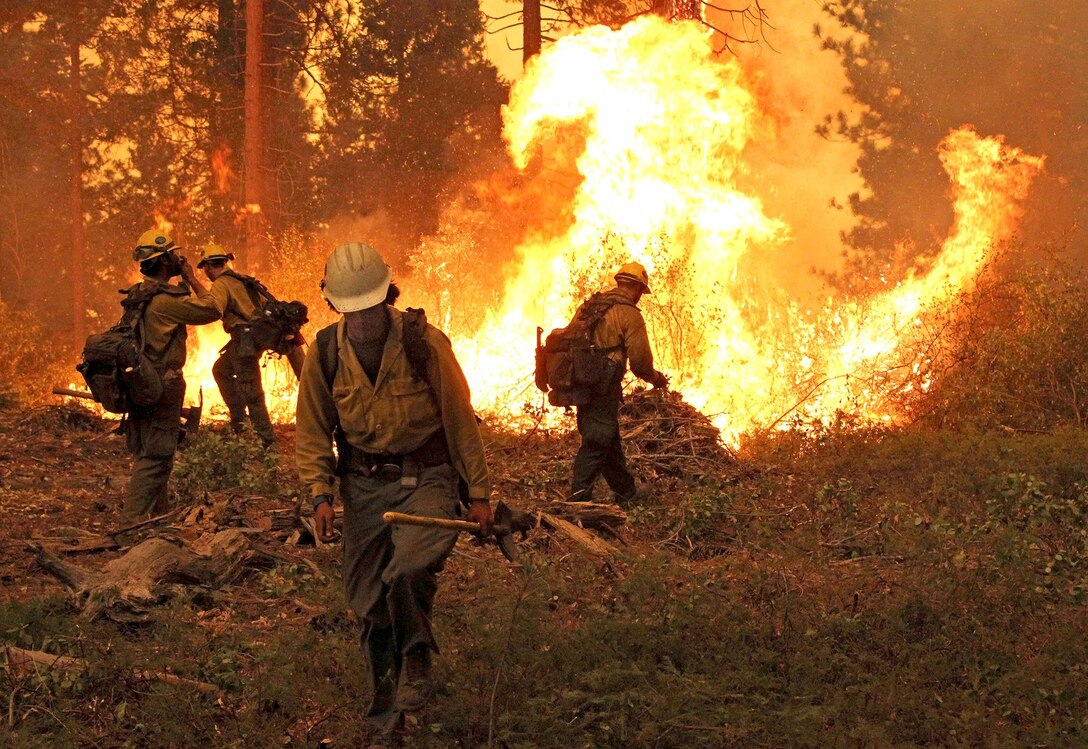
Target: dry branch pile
(664, 436)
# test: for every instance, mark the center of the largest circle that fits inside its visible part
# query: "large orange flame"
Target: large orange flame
(652, 127)
(658, 125)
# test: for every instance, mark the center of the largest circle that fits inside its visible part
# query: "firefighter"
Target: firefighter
(621, 332)
(237, 371)
(390, 390)
(151, 432)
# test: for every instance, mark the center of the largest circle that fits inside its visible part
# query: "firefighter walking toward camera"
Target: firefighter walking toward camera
(388, 388)
(621, 332)
(237, 371)
(152, 432)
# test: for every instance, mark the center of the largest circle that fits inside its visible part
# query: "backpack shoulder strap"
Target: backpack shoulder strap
(137, 299)
(328, 349)
(252, 284)
(593, 310)
(596, 307)
(415, 345)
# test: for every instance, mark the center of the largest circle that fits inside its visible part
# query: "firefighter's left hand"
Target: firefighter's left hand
(480, 512)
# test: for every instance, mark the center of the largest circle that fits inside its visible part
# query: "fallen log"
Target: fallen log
(22, 661)
(590, 541)
(77, 541)
(126, 588)
(596, 515)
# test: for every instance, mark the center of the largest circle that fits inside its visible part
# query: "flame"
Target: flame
(222, 174)
(242, 212)
(161, 223)
(203, 347)
(651, 129)
(655, 126)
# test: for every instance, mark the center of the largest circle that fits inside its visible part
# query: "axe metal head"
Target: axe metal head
(503, 529)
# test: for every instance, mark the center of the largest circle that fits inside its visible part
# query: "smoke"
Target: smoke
(925, 67)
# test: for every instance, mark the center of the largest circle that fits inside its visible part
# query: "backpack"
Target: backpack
(277, 324)
(118, 373)
(570, 367)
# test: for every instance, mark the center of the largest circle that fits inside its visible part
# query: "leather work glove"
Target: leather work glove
(661, 381)
(480, 512)
(323, 519)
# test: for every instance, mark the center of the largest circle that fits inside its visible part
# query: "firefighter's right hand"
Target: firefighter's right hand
(323, 518)
(661, 381)
(187, 273)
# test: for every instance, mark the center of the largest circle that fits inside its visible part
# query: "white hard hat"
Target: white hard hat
(356, 277)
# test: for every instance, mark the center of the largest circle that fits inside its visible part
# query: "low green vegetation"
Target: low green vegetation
(854, 589)
(218, 460)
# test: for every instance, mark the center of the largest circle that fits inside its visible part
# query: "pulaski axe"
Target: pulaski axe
(506, 522)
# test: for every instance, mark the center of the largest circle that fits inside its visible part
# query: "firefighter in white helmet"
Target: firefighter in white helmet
(387, 388)
(622, 332)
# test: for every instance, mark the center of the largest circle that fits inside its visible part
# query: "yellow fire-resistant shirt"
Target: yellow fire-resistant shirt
(165, 319)
(623, 329)
(396, 414)
(233, 300)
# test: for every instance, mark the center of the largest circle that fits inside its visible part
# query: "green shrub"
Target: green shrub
(219, 460)
(1012, 354)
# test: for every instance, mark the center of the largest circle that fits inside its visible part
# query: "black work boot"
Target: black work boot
(415, 680)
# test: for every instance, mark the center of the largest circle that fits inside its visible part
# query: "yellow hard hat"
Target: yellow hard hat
(356, 277)
(634, 272)
(212, 251)
(151, 244)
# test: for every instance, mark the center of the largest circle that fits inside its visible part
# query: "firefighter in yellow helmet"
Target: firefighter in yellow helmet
(389, 387)
(622, 332)
(151, 432)
(237, 371)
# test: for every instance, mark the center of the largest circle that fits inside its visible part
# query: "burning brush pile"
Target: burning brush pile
(665, 437)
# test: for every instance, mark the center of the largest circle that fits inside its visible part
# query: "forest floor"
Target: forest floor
(844, 588)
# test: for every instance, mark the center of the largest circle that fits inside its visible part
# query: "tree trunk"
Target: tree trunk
(254, 136)
(678, 10)
(531, 31)
(75, 140)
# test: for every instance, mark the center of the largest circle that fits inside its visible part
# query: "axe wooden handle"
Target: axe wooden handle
(454, 525)
(73, 393)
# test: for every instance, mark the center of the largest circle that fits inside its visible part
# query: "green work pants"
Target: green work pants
(151, 434)
(390, 571)
(601, 452)
(238, 376)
